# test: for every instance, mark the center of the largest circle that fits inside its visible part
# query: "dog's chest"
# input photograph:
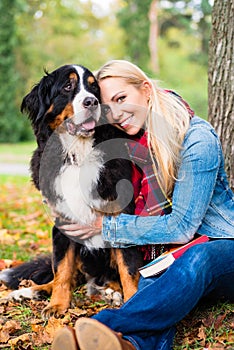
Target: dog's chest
(74, 184)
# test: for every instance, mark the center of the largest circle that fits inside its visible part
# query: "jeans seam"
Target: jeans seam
(132, 341)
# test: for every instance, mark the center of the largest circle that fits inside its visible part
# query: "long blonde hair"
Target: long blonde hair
(167, 120)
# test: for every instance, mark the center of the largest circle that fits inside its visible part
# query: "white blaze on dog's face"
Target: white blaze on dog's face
(75, 107)
(86, 106)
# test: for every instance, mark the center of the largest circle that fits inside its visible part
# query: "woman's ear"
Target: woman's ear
(147, 87)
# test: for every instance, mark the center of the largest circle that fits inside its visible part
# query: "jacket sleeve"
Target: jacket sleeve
(200, 161)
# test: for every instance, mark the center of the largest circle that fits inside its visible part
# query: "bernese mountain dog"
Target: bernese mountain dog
(82, 168)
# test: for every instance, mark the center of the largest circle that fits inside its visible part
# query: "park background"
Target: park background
(38, 35)
(169, 39)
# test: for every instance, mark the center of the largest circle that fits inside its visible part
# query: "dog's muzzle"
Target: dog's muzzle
(85, 129)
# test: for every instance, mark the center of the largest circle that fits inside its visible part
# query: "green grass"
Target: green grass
(18, 180)
(16, 152)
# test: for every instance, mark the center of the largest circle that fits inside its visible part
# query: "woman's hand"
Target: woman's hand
(83, 232)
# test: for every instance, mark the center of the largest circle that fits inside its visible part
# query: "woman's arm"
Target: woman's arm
(191, 197)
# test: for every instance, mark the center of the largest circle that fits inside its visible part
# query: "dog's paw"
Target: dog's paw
(113, 297)
(5, 276)
(22, 293)
(55, 310)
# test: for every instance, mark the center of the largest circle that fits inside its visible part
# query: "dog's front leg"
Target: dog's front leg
(64, 274)
(128, 261)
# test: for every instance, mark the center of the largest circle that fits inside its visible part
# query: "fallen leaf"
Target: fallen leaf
(10, 327)
(21, 342)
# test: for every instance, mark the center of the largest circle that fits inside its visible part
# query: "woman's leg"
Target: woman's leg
(163, 301)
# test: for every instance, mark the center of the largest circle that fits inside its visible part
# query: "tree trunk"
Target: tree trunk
(221, 79)
(153, 36)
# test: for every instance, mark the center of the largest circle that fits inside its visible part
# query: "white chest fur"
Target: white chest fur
(74, 185)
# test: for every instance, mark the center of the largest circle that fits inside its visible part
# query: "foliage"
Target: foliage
(9, 77)
(174, 71)
(183, 66)
(53, 33)
(193, 18)
(46, 34)
(133, 18)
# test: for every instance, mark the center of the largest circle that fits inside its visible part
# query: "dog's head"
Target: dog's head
(66, 100)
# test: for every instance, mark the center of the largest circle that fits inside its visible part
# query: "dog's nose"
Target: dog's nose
(90, 103)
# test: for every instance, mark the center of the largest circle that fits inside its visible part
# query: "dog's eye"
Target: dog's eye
(68, 87)
(94, 87)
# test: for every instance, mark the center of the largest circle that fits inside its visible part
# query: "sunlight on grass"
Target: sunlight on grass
(16, 152)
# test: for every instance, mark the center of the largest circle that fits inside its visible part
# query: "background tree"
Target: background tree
(133, 19)
(153, 36)
(12, 126)
(221, 79)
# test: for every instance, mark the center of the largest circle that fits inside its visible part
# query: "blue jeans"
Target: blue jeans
(148, 319)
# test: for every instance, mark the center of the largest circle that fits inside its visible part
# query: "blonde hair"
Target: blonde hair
(167, 121)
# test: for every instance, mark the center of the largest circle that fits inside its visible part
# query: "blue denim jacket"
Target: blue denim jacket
(202, 201)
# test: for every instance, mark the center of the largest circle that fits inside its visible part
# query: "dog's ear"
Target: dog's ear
(37, 102)
(30, 104)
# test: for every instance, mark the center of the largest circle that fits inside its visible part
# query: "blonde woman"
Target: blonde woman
(193, 198)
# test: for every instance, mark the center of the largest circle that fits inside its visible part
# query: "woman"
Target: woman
(188, 165)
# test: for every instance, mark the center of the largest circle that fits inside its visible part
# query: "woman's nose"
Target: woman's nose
(116, 112)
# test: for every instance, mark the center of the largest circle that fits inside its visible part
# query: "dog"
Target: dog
(81, 167)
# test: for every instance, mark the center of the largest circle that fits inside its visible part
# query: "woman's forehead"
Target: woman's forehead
(112, 86)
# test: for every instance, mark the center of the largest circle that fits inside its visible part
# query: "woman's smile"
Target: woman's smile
(124, 124)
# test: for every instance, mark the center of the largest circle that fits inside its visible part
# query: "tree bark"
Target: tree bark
(221, 80)
(153, 36)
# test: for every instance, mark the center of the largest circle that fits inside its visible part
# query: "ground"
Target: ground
(25, 227)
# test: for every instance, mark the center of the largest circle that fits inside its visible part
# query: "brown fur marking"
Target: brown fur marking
(63, 284)
(91, 80)
(68, 112)
(48, 287)
(129, 283)
(73, 76)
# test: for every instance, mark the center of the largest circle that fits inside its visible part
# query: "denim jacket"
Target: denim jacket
(202, 201)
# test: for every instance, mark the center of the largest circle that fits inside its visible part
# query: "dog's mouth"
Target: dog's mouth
(85, 129)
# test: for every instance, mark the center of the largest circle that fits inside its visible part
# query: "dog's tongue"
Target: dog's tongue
(89, 125)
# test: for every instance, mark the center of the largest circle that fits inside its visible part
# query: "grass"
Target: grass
(19, 153)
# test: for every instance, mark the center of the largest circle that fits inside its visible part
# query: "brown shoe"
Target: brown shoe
(93, 335)
(65, 339)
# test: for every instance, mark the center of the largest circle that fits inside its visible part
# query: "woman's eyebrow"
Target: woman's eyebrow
(113, 97)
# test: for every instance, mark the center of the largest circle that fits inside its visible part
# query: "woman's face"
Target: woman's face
(128, 104)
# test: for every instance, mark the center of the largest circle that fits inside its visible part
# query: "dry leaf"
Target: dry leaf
(21, 341)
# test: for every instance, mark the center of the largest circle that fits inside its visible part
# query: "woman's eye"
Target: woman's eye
(120, 99)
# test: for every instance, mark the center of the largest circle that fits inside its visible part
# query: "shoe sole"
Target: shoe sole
(64, 340)
(93, 335)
